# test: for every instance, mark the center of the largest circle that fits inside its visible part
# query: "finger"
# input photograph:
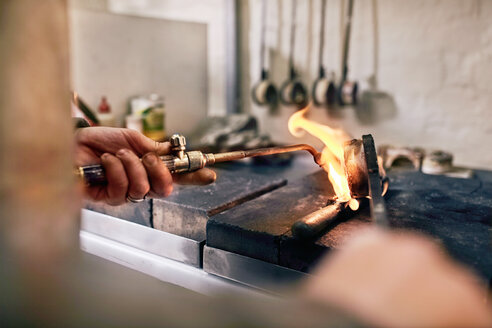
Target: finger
(161, 181)
(117, 180)
(162, 148)
(142, 144)
(201, 177)
(137, 176)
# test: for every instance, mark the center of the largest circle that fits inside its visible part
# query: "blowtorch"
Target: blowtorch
(180, 160)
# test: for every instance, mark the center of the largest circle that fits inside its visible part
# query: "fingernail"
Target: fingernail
(212, 176)
(121, 152)
(150, 159)
(105, 156)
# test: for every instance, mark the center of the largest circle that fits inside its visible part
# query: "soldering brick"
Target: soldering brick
(188, 209)
(255, 228)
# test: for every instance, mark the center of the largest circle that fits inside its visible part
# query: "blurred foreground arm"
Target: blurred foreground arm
(119, 151)
(400, 280)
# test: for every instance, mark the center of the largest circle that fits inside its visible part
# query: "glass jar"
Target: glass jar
(152, 113)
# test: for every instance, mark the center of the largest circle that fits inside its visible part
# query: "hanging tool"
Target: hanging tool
(187, 161)
(293, 91)
(324, 89)
(84, 108)
(348, 89)
(264, 92)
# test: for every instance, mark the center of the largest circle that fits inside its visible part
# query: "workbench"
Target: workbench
(237, 230)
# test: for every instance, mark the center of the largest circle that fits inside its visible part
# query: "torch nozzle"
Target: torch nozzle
(235, 155)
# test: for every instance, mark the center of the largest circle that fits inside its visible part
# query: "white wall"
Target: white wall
(176, 48)
(121, 56)
(434, 59)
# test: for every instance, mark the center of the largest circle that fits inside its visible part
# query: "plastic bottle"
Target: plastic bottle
(106, 118)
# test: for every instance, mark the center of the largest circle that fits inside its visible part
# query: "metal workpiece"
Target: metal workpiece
(356, 168)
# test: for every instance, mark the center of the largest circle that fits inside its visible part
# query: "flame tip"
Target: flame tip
(331, 157)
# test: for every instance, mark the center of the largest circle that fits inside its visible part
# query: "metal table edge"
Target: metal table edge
(150, 240)
(249, 271)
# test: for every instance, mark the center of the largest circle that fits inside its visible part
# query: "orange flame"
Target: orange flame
(332, 154)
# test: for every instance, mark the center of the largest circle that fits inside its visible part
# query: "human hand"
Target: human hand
(119, 151)
(400, 280)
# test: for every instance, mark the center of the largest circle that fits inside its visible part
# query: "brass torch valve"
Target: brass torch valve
(181, 160)
(178, 144)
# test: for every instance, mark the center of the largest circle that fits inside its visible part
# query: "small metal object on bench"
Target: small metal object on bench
(182, 161)
(314, 223)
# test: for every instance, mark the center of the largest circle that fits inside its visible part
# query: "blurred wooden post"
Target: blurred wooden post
(39, 204)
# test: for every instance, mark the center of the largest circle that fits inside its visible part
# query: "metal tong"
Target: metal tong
(365, 181)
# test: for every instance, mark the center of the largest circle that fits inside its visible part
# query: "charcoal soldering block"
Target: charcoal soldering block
(255, 228)
(188, 209)
(303, 255)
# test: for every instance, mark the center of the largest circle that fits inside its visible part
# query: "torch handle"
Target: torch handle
(95, 175)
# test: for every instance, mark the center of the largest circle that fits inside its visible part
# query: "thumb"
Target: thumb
(201, 177)
(162, 148)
